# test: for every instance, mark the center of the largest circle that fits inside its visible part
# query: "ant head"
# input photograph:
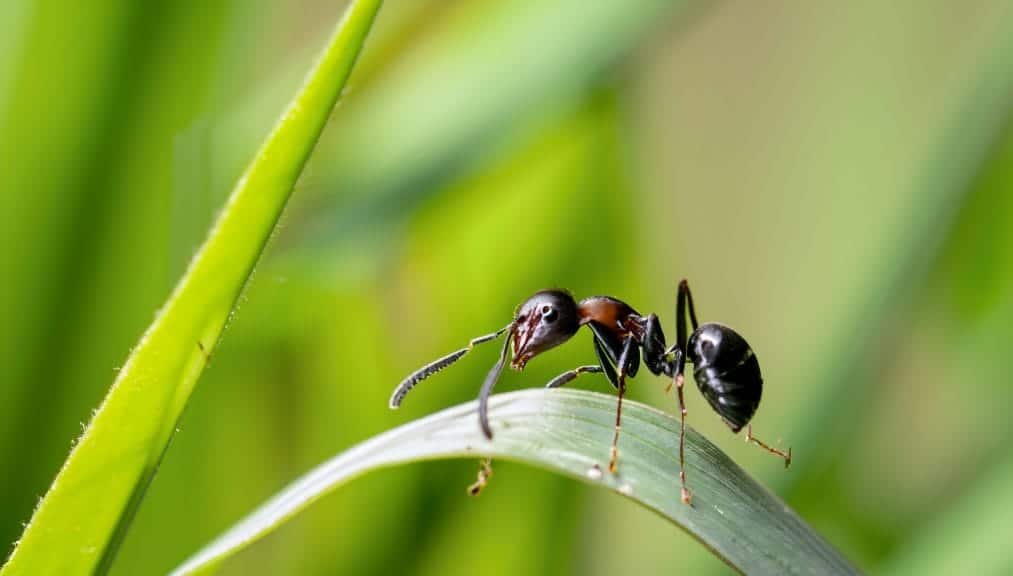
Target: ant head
(543, 321)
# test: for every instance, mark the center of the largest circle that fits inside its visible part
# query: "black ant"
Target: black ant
(725, 369)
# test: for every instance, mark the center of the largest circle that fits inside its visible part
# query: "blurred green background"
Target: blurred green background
(836, 181)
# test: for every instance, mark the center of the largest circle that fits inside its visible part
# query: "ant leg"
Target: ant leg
(614, 451)
(684, 292)
(771, 449)
(204, 351)
(680, 363)
(624, 361)
(484, 474)
(655, 353)
(680, 377)
(605, 362)
(571, 375)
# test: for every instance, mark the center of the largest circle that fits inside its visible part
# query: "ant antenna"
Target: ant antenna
(435, 366)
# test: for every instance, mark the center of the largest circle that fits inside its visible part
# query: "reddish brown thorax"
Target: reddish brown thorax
(610, 313)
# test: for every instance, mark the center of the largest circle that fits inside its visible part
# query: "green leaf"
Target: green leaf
(79, 524)
(569, 432)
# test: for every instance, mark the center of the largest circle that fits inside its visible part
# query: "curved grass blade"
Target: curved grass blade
(568, 432)
(79, 524)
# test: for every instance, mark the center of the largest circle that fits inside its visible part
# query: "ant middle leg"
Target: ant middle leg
(656, 354)
(629, 347)
(753, 439)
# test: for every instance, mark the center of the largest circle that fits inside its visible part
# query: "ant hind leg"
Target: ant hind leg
(684, 308)
(754, 440)
(680, 379)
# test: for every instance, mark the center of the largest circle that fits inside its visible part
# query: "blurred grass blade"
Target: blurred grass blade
(970, 538)
(555, 50)
(569, 432)
(970, 137)
(82, 519)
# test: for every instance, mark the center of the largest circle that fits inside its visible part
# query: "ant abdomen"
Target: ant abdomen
(726, 372)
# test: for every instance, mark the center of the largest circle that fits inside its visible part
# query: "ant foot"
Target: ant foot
(484, 474)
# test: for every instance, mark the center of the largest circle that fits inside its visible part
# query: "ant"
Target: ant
(725, 369)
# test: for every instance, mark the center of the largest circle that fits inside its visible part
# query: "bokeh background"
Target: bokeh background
(835, 179)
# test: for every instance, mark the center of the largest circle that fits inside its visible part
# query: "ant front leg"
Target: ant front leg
(571, 375)
(625, 361)
(484, 474)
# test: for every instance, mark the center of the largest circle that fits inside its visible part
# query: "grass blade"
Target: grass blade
(554, 57)
(552, 54)
(568, 432)
(78, 525)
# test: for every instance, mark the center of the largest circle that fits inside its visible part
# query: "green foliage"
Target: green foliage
(829, 181)
(81, 521)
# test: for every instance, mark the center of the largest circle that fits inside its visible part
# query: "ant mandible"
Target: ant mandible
(724, 366)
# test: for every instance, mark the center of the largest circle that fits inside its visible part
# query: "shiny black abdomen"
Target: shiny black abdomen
(727, 373)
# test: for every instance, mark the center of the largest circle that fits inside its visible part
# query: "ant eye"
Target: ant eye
(549, 314)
